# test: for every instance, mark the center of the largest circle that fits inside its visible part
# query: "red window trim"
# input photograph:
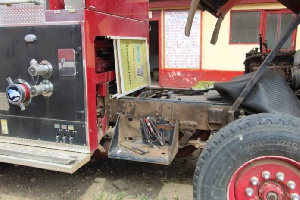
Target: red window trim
(281, 11)
(169, 4)
(262, 25)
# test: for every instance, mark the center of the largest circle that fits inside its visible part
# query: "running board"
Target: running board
(44, 158)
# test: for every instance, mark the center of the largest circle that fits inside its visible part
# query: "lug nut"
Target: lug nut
(266, 175)
(254, 180)
(291, 185)
(280, 176)
(295, 196)
(249, 192)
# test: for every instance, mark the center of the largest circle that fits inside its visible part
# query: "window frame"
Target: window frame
(262, 26)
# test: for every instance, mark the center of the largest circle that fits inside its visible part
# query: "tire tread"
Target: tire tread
(232, 129)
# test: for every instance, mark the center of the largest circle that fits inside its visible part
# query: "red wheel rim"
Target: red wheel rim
(266, 178)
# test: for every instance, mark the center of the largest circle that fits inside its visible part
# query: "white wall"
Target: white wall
(225, 56)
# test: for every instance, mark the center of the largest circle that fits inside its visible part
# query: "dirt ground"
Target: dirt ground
(101, 180)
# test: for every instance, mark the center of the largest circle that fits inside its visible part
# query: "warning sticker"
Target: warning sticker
(4, 127)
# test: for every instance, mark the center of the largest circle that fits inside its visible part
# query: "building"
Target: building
(185, 62)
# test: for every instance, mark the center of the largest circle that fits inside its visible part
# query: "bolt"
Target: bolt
(280, 176)
(291, 185)
(295, 196)
(249, 192)
(254, 180)
(272, 196)
(266, 175)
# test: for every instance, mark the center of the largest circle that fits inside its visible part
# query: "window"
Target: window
(276, 25)
(245, 26)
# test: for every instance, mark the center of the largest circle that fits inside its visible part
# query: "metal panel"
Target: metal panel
(134, 9)
(66, 62)
(64, 15)
(43, 158)
(45, 144)
(56, 131)
(67, 101)
(65, 108)
(3, 102)
(22, 14)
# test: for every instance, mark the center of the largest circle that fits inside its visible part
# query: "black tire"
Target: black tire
(239, 142)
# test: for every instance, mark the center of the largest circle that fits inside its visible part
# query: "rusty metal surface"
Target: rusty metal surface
(215, 115)
(44, 158)
(183, 111)
(129, 142)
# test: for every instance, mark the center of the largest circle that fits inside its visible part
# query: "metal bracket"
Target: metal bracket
(262, 69)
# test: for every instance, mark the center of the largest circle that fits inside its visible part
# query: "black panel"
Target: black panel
(67, 101)
(46, 130)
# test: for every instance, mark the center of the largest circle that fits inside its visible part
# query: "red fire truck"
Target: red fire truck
(75, 80)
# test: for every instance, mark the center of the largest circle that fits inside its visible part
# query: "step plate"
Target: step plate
(44, 158)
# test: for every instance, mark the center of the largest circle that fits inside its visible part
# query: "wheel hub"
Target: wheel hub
(271, 191)
(266, 178)
(272, 196)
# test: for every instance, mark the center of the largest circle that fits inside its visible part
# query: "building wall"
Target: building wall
(225, 56)
(219, 62)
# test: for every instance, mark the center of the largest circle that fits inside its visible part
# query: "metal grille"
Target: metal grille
(22, 14)
(3, 102)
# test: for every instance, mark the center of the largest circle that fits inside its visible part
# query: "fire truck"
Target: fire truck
(75, 81)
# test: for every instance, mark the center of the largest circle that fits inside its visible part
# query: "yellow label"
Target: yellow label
(134, 63)
(71, 128)
(4, 126)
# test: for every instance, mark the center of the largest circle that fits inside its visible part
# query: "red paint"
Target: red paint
(268, 187)
(258, 1)
(189, 78)
(231, 3)
(218, 75)
(181, 77)
(265, 13)
(27, 93)
(102, 24)
(134, 9)
(56, 4)
(102, 89)
(170, 4)
(187, 3)
(254, 168)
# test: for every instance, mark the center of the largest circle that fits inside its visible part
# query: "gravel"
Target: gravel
(101, 180)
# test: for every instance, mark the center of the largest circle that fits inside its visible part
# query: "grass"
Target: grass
(121, 195)
(144, 197)
(99, 197)
(203, 85)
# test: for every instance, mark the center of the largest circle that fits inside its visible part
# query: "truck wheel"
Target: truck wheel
(256, 157)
